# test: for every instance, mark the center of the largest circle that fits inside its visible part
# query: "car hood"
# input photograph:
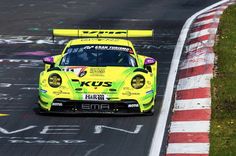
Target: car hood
(98, 79)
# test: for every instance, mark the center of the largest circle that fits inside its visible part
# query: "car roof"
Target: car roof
(106, 41)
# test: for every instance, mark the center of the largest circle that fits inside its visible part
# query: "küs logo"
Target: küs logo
(96, 84)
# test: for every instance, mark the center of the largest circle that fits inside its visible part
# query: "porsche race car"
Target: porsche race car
(98, 73)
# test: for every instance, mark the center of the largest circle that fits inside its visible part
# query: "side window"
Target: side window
(132, 62)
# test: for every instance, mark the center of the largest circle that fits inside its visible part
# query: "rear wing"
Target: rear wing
(102, 33)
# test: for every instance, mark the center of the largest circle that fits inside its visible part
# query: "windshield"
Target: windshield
(98, 55)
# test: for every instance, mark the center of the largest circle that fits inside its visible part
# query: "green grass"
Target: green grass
(223, 122)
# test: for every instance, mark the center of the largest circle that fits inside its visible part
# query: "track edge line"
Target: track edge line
(161, 123)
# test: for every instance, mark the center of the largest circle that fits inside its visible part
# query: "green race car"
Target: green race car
(94, 74)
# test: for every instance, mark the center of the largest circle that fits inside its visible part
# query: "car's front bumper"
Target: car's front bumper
(67, 106)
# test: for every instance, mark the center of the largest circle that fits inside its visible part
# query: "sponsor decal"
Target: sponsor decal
(101, 39)
(95, 106)
(96, 83)
(100, 97)
(114, 48)
(63, 87)
(57, 104)
(133, 105)
(79, 71)
(128, 93)
(100, 32)
(106, 47)
(97, 71)
(60, 92)
(127, 88)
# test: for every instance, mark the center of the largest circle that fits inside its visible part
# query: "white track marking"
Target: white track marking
(198, 45)
(190, 126)
(94, 149)
(22, 60)
(202, 33)
(3, 95)
(164, 112)
(4, 131)
(5, 85)
(202, 59)
(188, 148)
(193, 104)
(199, 81)
(219, 7)
(197, 24)
(18, 84)
(28, 67)
(60, 129)
(210, 14)
(99, 129)
(13, 110)
(11, 107)
(29, 88)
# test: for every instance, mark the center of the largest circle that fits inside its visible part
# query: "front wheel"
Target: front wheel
(40, 110)
(150, 112)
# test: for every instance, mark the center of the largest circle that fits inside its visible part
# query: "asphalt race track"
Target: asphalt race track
(25, 39)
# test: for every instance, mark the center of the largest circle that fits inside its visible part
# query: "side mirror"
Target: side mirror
(48, 60)
(149, 61)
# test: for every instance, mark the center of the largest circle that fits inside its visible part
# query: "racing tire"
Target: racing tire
(40, 110)
(150, 112)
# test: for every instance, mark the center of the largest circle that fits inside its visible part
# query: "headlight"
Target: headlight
(54, 80)
(138, 82)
